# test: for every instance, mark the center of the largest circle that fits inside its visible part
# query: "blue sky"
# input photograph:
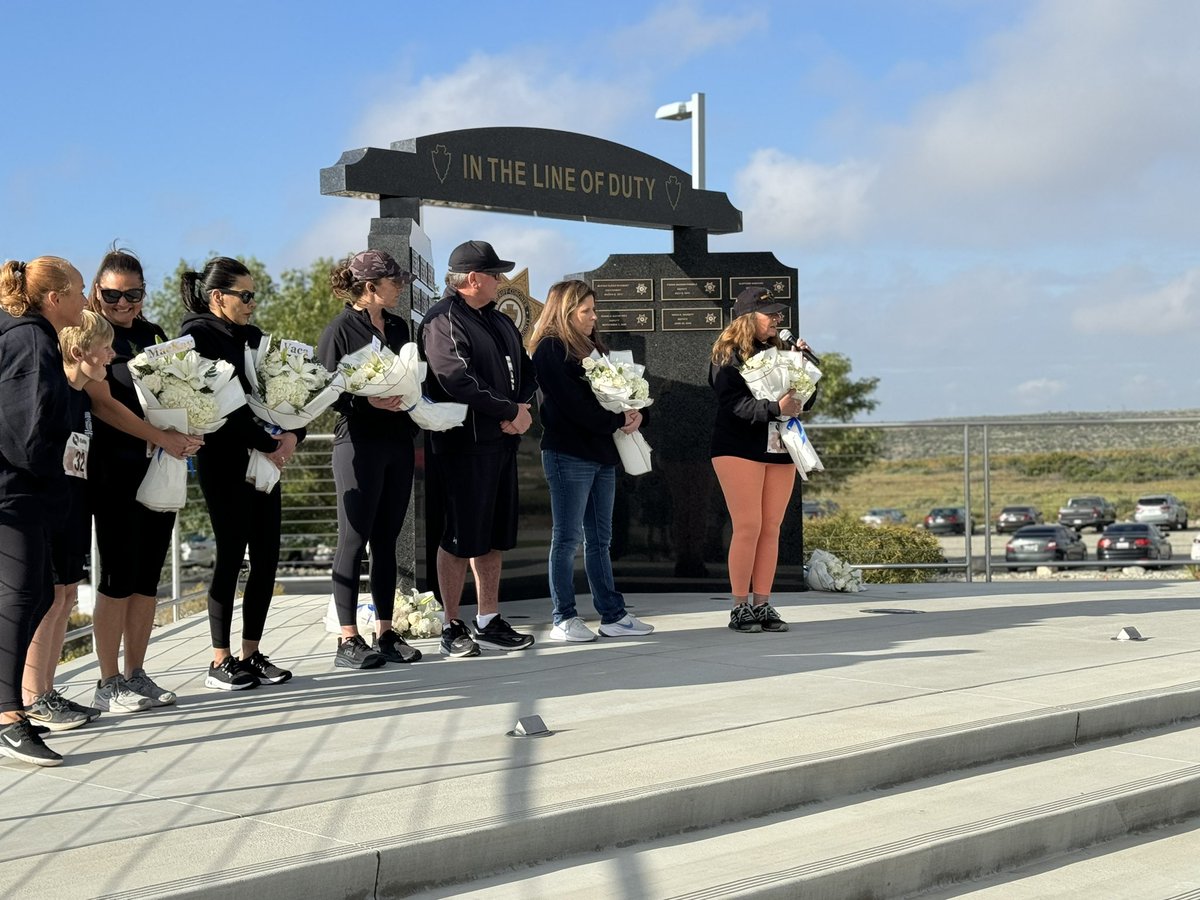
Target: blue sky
(991, 204)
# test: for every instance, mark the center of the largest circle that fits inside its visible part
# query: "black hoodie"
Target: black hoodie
(229, 447)
(475, 357)
(35, 404)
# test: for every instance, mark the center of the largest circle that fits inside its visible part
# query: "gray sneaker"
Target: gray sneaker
(141, 683)
(114, 695)
(51, 710)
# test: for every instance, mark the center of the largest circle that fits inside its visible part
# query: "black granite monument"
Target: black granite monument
(670, 527)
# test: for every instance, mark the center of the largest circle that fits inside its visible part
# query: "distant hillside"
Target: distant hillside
(1078, 432)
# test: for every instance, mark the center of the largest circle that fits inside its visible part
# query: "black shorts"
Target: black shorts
(132, 540)
(66, 562)
(479, 496)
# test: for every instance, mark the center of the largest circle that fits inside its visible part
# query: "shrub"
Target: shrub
(860, 544)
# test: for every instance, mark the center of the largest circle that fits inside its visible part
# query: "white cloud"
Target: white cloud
(1038, 392)
(675, 32)
(1171, 309)
(489, 90)
(784, 197)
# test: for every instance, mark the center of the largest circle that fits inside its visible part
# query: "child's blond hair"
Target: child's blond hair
(94, 332)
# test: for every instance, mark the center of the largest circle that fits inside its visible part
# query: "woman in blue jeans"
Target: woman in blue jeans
(580, 461)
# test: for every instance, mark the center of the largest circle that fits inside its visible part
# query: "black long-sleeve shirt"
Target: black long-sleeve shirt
(351, 330)
(573, 421)
(229, 446)
(741, 426)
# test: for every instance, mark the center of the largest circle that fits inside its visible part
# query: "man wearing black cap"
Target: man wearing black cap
(476, 357)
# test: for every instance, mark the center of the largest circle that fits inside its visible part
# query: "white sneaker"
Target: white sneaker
(572, 630)
(115, 696)
(626, 627)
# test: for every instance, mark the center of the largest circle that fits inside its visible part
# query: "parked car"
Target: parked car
(1087, 512)
(1013, 517)
(1133, 540)
(1165, 510)
(815, 509)
(883, 515)
(198, 550)
(949, 520)
(1045, 543)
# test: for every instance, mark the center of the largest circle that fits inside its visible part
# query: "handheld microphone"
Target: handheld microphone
(790, 343)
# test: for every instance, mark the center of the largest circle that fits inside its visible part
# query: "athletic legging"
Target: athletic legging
(26, 593)
(374, 481)
(757, 495)
(241, 517)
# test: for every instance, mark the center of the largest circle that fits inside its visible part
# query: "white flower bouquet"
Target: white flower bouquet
(827, 572)
(375, 371)
(180, 391)
(417, 615)
(771, 374)
(619, 385)
(288, 390)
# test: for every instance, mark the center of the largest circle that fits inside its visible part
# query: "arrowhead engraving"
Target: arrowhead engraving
(673, 190)
(441, 162)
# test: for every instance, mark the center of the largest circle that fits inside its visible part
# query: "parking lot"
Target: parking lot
(953, 546)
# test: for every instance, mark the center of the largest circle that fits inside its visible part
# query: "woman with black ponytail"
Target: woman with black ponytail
(220, 301)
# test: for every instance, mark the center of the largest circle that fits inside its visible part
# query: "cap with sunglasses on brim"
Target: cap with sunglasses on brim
(478, 256)
(371, 265)
(756, 299)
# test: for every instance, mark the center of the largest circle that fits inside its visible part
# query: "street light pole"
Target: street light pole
(692, 109)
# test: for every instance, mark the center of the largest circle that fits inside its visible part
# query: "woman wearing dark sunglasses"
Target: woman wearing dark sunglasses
(221, 301)
(132, 540)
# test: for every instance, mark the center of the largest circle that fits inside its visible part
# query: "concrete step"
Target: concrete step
(1161, 863)
(898, 841)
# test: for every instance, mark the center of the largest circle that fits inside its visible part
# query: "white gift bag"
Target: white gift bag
(365, 616)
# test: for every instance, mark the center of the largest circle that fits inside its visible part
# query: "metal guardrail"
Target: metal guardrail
(310, 516)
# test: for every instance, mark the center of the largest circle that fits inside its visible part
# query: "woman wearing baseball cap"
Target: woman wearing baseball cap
(756, 474)
(372, 458)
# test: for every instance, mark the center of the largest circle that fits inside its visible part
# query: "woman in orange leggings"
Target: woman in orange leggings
(755, 472)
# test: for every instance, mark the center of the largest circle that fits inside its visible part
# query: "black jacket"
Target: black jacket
(741, 426)
(351, 330)
(573, 421)
(35, 410)
(475, 357)
(229, 446)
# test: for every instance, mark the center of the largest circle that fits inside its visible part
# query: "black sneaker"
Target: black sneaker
(456, 641)
(353, 653)
(90, 711)
(229, 676)
(499, 635)
(394, 649)
(263, 669)
(21, 740)
(768, 618)
(742, 618)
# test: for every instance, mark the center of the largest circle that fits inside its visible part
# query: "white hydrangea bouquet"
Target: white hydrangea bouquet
(619, 385)
(180, 391)
(827, 572)
(772, 373)
(417, 615)
(375, 371)
(287, 391)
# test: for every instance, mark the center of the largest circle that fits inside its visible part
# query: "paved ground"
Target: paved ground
(356, 783)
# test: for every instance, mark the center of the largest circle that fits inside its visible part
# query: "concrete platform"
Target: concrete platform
(382, 783)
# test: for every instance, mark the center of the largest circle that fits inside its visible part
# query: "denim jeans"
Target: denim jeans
(581, 501)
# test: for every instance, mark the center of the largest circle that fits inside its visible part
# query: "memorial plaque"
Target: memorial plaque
(708, 288)
(623, 289)
(779, 285)
(610, 320)
(692, 318)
